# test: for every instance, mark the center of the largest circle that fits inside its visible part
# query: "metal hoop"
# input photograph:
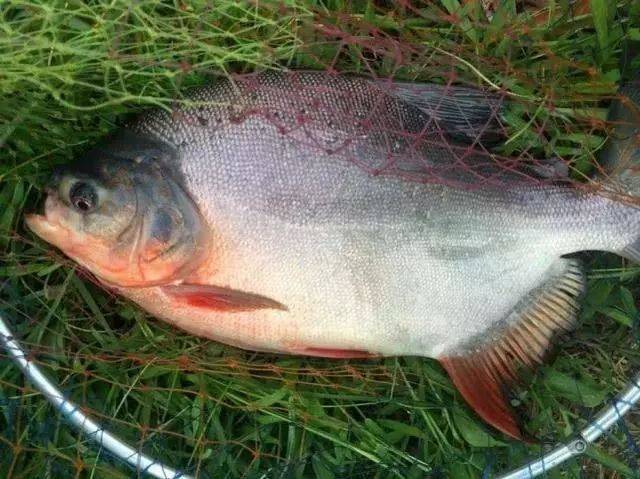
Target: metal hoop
(601, 424)
(146, 464)
(141, 462)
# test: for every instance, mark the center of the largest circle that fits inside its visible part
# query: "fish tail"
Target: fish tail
(620, 158)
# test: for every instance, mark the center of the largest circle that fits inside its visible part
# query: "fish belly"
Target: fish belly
(386, 290)
(382, 289)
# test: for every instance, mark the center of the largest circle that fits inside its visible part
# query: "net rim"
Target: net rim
(152, 467)
(73, 413)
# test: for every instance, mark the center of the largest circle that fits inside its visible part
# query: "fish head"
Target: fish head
(122, 215)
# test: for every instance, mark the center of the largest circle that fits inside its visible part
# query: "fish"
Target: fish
(343, 217)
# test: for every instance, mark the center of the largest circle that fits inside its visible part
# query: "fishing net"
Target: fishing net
(546, 73)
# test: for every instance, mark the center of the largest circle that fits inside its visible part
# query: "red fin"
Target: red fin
(484, 372)
(335, 353)
(483, 391)
(220, 299)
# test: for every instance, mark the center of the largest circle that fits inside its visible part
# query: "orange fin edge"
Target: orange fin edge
(335, 353)
(484, 373)
(483, 391)
(217, 298)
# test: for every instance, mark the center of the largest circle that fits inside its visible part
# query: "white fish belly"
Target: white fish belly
(388, 290)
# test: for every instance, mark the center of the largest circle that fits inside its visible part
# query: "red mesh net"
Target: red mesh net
(505, 96)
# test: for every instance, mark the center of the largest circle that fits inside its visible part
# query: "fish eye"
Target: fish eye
(83, 197)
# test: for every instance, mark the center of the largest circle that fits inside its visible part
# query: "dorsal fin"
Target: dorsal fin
(465, 114)
(484, 371)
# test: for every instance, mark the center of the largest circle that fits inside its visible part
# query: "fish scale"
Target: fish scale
(317, 227)
(328, 233)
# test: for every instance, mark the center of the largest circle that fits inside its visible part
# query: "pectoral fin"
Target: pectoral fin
(484, 371)
(217, 298)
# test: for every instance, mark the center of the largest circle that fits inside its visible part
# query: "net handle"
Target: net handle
(73, 413)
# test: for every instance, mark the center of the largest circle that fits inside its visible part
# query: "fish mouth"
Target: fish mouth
(45, 224)
(40, 225)
(50, 226)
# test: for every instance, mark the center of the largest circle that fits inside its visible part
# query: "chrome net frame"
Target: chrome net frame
(152, 467)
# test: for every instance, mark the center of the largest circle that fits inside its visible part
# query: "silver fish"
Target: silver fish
(297, 213)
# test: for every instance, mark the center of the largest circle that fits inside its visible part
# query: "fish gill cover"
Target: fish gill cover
(522, 91)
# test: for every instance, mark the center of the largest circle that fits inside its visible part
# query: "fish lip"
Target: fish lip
(31, 218)
(40, 223)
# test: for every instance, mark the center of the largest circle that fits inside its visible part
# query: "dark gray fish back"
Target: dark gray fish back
(341, 116)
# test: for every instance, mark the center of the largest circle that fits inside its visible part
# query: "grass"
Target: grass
(70, 71)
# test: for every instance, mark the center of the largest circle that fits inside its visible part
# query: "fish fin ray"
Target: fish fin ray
(466, 114)
(521, 343)
(334, 353)
(632, 251)
(485, 394)
(217, 298)
(469, 116)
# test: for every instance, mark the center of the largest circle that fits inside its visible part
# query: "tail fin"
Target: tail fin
(620, 158)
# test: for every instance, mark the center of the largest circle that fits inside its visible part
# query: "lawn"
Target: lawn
(72, 71)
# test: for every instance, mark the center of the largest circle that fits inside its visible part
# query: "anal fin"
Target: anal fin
(484, 370)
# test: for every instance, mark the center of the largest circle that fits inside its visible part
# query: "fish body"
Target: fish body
(295, 213)
(396, 269)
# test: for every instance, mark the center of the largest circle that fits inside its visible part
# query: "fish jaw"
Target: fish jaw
(55, 226)
(48, 226)
(41, 226)
(113, 263)
(77, 246)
